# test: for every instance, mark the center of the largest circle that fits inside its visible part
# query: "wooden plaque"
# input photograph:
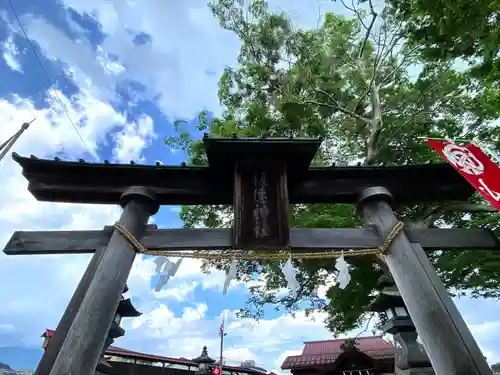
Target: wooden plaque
(261, 207)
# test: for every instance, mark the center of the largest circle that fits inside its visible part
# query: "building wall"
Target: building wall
(384, 368)
(123, 368)
(305, 372)
(132, 366)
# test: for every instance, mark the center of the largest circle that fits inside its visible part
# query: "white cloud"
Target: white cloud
(328, 282)
(186, 44)
(238, 354)
(133, 139)
(186, 334)
(198, 313)
(179, 292)
(485, 334)
(160, 330)
(182, 285)
(181, 65)
(10, 55)
(43, 285)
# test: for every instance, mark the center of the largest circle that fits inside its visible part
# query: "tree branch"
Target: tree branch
(394, 39)
(437, 212)
(383, 45)
(399, 66)
(342, 109)
(334, 106)
(375, 126)
(318, 22)
(412, 118)
(372, 315)
(368, 29)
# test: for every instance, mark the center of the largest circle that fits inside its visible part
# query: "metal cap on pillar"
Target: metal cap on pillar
(375, 193)
(141, 194)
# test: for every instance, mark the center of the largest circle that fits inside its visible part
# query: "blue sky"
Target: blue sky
(125, 72)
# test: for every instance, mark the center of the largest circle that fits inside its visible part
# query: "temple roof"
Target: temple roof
(326, 352)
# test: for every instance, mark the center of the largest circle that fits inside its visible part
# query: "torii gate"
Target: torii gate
(260, 177)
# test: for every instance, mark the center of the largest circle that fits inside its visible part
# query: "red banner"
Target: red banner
(474, 165)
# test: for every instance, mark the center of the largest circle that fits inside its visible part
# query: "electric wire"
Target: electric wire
(48, 78)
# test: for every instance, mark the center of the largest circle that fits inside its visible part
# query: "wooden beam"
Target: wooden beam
(429, 238)
(71, 242)
(409, 184)
(73, 182)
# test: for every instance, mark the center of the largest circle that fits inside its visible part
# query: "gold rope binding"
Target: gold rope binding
(239, 255)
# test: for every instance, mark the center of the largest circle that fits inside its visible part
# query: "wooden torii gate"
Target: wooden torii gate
(260, 177)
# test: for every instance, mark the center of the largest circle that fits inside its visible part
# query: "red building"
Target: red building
(361, 356)
(128, 362)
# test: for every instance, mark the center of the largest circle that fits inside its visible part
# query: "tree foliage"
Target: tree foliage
(464, 29)
(496, 368)
(357, 83)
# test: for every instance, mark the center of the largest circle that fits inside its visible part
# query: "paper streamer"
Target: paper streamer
(231, 275)
(290, 273)
(343, 278)
(169, 271)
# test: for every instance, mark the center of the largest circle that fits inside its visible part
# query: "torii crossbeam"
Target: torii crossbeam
(88, 241)
(260, 177)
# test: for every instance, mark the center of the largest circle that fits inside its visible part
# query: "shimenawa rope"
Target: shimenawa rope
(240, 255)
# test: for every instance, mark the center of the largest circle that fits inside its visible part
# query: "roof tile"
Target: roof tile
(326, 352)
(334, 346)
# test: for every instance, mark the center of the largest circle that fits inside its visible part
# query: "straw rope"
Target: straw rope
(241, 255)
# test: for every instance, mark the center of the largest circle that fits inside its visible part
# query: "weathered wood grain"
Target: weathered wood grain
(83, 345)
(57, 181)
(261, 206)
(71, 242)
(451, 309)
(448, 342)
(56, 341)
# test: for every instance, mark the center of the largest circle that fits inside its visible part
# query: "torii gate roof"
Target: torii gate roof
(103, 183)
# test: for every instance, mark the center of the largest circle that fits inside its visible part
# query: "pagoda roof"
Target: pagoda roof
(103, 183)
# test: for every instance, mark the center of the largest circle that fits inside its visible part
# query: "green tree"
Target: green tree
(356, 83)
(464, 29)
(496, 368)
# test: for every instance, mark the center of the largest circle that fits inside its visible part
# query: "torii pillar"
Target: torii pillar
(81, 350)
(446, 338)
